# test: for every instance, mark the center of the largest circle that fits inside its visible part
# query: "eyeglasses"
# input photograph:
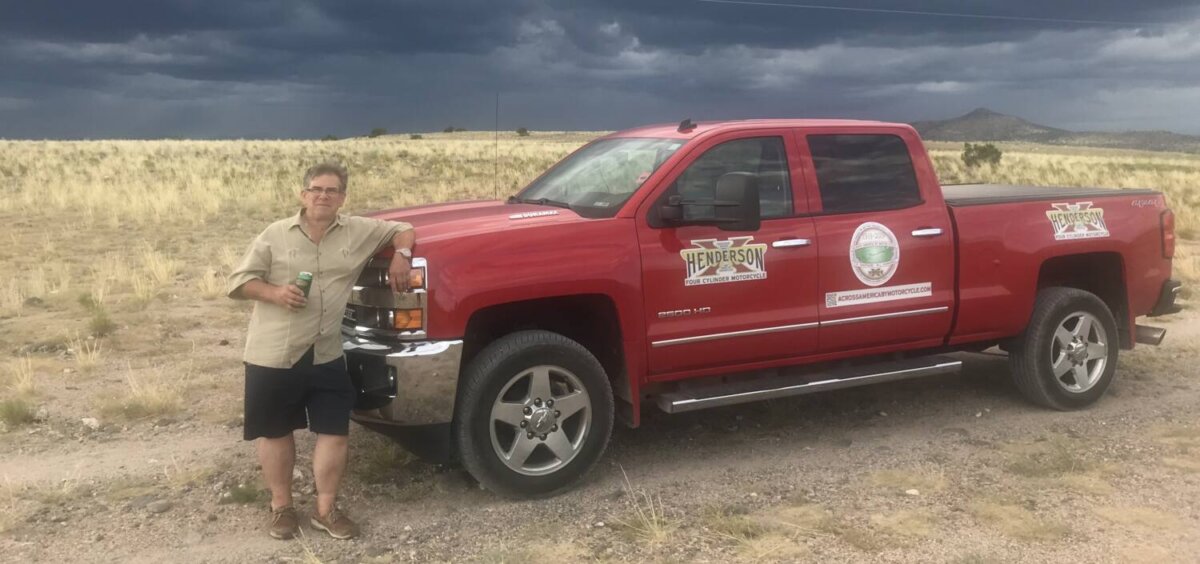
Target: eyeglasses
(326, 191)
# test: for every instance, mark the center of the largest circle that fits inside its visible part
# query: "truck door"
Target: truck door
(886, 249)
(718, 298)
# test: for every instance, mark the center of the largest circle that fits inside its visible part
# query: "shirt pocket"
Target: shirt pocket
(283, 267)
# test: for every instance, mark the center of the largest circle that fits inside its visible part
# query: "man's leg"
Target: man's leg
(274, 408)
(330, 399)
(329, 465)
(277, 458)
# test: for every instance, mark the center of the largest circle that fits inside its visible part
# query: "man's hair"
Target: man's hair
(324, 168)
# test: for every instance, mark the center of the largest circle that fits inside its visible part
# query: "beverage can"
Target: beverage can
(304, 281)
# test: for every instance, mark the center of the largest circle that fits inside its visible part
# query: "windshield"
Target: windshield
(598, 178)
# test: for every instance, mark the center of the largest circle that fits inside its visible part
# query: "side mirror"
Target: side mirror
(672, 211)
(736, 204)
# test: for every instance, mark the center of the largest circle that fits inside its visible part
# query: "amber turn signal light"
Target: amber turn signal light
(407, 320)
(416, 279)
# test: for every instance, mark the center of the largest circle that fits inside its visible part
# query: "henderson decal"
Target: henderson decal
(712, 261)
(874, 253)
(1077, 221)
(873, 295)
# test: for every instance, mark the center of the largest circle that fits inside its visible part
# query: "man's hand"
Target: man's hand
(398, 273)
(290, 296)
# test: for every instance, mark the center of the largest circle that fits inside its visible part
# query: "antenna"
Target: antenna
(496, 174)
(686, 125)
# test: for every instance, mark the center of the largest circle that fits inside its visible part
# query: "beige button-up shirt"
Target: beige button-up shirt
(278, 337)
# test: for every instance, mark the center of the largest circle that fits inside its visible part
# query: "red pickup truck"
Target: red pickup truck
(710, 264)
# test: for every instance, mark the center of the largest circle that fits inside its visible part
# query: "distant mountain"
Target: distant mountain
(983, 124)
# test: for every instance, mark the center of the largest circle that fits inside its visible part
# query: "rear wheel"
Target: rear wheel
(1067, 356)
(536, 413)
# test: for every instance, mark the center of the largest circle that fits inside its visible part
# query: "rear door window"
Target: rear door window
(857, 173)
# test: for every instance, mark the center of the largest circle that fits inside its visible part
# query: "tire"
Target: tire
(501, 404)
(1052, 364)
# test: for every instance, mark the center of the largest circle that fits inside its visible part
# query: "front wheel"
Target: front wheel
(535, 413)
(1067, 356)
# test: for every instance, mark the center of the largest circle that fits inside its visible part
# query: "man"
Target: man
(295, 371)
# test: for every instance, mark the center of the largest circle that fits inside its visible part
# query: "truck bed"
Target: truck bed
(961, 195)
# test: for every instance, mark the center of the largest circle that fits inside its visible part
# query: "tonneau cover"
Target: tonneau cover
(981, 194)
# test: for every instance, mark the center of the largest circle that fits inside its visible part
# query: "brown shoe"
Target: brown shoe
(285, 524)
(337, 524)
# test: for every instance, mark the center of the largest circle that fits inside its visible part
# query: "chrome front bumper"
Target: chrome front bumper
(407, 384)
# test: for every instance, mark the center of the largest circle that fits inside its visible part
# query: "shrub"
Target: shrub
(15, 412)
(415, 136)
(145, 398)
(975, 154)
(245, 494)
(377, 132)
(522, 132)
(101, 325)
(329, 138)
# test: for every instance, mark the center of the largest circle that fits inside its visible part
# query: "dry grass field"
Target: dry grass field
(120, 392)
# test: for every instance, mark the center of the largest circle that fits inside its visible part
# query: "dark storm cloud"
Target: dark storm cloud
(284, 68)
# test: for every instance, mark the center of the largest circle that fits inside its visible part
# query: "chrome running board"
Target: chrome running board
(756, 389)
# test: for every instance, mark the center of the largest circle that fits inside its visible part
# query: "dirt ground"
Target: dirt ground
(945, 469)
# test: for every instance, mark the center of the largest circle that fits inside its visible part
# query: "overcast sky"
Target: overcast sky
(283, 68)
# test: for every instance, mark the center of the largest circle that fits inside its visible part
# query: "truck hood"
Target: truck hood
(436, 222)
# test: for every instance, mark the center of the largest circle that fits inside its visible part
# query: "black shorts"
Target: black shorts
(280, 400)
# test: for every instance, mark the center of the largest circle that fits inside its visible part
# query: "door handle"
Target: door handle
(785, 243)
(927, 232)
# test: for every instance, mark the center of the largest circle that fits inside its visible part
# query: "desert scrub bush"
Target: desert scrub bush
(10, 507)
(87, 352)
(245, 494)
(646, 519)
(160, 268)
(100, 324)
(11, 297)
(20, 377)
(16, 412)
(733, 523)
(144, 290)
(145, 397)
(975, 154)
(183, 476)
(211, 285)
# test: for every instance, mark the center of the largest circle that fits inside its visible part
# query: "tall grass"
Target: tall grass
(147, 395)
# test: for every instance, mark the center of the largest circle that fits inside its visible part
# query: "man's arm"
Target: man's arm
(398, 270)
(248, 280)
(289, 296)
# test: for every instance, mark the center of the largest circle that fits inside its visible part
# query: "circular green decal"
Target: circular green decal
(874, 253)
